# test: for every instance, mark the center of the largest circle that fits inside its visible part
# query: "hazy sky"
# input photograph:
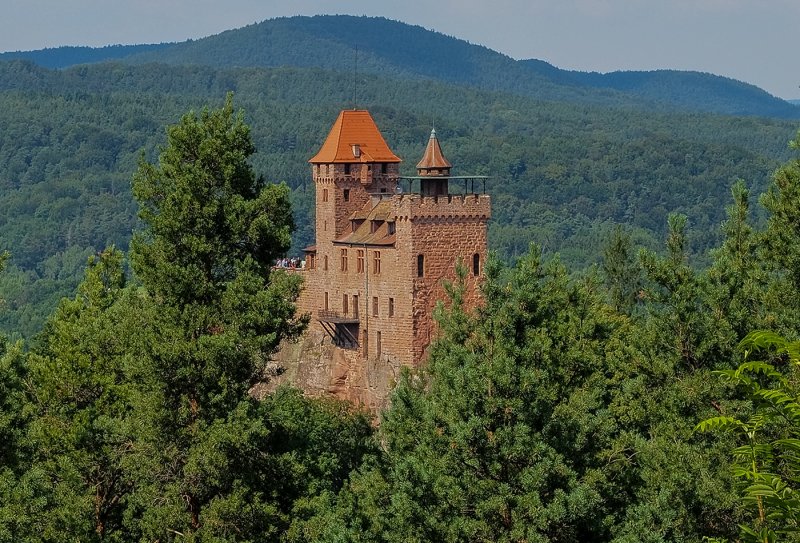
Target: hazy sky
(751, 40)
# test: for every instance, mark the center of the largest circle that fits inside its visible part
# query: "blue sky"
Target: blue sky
(751, 40)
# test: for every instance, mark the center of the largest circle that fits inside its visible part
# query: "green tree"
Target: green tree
(621, 271)
(78, 401)
(13, 458)
(676, 486)
(502, 435)
(210, 315)
(782, 200)
(767, 460)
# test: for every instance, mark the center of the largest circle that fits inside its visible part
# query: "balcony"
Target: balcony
(334, 317)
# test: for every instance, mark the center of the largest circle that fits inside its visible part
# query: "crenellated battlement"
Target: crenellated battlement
(416, 206)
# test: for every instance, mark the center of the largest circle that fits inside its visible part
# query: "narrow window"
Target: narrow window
(344, 260)
(344, 304)
(420, 265)
(325, 262)
(326, 301)
(383, 167)
(391, 307)
(476, 264)
(392, 227)
(325, 226)
(347, 169)
(376, 262)
(312, 261)
(378, 344)
(324, 195)
(355, 306)
(360, 261)
(374, 306)
(346, 194)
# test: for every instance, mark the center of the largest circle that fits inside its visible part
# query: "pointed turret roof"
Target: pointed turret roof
(354, 137)
(433, 159)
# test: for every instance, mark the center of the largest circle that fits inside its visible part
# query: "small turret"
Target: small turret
(436, 166)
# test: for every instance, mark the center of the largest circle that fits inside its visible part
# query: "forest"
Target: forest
(632, 373)
(645, 399)
(562, 174)
(570, 155)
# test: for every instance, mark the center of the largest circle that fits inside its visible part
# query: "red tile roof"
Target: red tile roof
(354, 128)
(364, 235)
(433, 159)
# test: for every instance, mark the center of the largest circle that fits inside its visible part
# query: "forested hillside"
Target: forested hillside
(347, 43)
(63, 57)
(621, 405)
(561, 175)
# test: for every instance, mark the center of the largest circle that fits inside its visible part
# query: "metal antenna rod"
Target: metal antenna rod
(355, 79)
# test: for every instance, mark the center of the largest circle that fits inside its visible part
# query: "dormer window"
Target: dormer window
(374, 225)
(391, 227)
(357, 151)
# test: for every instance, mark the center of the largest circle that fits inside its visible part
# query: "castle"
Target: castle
(381, 256)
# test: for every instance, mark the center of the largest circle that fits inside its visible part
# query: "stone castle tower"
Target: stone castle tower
(381, 255)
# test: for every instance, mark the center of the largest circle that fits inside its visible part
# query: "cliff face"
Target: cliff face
(316, 366)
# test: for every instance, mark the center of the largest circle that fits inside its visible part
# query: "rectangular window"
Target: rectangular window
(355, 306)
(391, 227)
(325, 262)
(326, 301)
(324, 195)
(476, 264)
(420, 265)
(347, 169)
(312, 261)
(346, 194)
(378, 344)
(344, 260)
(360, 261)
(374, 306)
(391, 307)
(383, 167)
(344, 304)
(376, 262)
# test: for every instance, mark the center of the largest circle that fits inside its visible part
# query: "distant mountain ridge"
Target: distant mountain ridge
(385, 47)
(66, 56)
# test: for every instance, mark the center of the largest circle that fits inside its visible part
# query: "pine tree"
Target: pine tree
(621, 270)
(501, 436)
(210, 315)
(79, 403)
(782, 200)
